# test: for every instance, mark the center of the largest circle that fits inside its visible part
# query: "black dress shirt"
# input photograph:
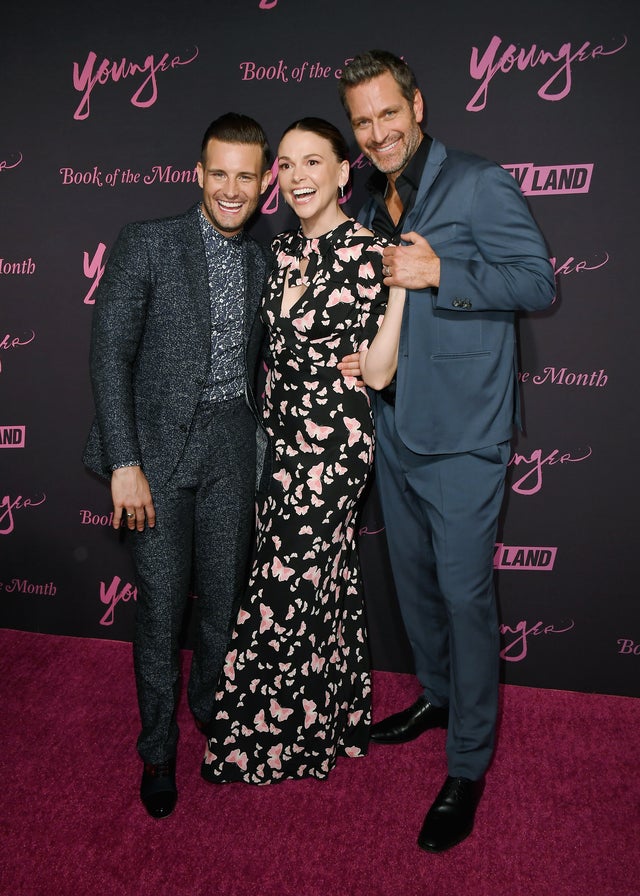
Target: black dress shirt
(407, 184)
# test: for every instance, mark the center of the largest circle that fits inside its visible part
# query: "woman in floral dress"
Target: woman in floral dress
(294, 692)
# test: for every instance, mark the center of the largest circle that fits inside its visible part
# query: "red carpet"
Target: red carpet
(560, 815)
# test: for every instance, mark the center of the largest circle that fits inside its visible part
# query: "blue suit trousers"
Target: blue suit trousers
(441, 517)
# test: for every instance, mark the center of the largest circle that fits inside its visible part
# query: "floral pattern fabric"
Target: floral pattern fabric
(294, 692)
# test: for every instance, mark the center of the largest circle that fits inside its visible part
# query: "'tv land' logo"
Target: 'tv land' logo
(528, 558)
(12, 436)
(551, 180)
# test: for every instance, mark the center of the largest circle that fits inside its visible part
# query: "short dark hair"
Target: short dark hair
(372, 64)
(325, 129)
(235, 128)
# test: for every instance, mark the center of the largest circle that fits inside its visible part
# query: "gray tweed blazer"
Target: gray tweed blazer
(150, 344)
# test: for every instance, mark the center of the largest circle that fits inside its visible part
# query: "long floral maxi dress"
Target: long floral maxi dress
(294, 692)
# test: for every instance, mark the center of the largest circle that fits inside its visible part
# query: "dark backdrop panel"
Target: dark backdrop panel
(89, 142)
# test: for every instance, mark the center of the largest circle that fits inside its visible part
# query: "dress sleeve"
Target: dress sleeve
(372, 292)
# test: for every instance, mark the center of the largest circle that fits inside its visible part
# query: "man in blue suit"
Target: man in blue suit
(466, 248)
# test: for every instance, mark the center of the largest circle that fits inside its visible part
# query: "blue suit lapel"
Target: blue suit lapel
(435, 161)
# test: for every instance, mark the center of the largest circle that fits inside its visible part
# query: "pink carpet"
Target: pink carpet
(560, 815)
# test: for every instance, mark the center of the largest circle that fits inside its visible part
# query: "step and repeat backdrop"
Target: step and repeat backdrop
(103, 106)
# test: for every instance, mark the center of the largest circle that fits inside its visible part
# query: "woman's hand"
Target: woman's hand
(350, 366)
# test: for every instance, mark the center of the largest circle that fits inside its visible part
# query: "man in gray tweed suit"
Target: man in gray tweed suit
(175, 345)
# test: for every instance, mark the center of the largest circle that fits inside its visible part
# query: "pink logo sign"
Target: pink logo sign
(11, 162)
(24, 586)
(531, 482)
(551, 180)
(561, 376)
(365, 530)
(87, 518)
(484, 67)
(117, 592)
(517, 637)
(12, 436)
(93, 270)
(9, 505)
(8, 342)
(571, 266)
(20, 268)
(524, 558)
(628, 647)
(92, 73)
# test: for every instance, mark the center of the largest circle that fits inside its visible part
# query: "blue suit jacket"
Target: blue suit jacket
(456, 380)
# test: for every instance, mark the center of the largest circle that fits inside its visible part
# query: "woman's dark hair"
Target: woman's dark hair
(323, 129)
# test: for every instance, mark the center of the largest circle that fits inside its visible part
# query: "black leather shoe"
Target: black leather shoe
(450, 818)
(411, 722)
(158, 789)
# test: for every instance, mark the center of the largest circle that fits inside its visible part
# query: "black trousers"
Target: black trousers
(204, 524)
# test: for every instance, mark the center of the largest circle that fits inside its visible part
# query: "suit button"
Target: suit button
(182, 427)
(456, 303)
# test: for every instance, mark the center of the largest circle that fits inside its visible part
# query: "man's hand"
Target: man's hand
(350, 366)
(414, 266)
(132, 501)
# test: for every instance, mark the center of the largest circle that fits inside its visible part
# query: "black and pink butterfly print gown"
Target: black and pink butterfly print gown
(294, 692)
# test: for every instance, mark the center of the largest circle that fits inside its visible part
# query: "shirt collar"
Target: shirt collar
(412, 173)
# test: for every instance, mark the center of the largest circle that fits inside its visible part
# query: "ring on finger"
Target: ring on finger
(130, 514)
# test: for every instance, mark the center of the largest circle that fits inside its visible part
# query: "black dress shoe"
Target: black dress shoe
(158, 789)
(450, 818)
(411, 722)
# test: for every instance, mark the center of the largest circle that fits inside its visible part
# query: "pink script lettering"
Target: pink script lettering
(93, 269)
(86, 79)
(7, 507)
(571, 266)
(112, 596)
(4, 164)
(516, 649)
(531, 482)
(484, 68)
(8, 341)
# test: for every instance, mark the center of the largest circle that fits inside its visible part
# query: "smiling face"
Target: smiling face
(232, 181)
(310, 175)
(385, 125)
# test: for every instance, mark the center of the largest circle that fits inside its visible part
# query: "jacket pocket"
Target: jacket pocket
(458, 333)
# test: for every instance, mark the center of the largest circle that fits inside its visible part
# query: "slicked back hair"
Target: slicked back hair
(372, 64)
(235, 128)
